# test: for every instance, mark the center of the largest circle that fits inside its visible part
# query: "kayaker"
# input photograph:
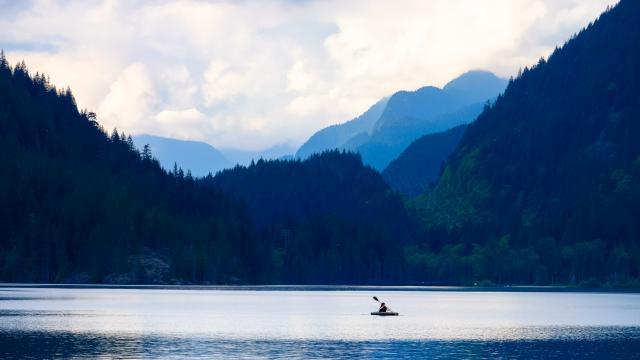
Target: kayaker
(383, 308)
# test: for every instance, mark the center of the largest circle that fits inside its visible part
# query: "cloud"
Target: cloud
(223, 83)
(298, 77)
(187, 123)
(131, 99)
(252, 74)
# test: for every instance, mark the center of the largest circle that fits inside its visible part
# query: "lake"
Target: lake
(302, 322)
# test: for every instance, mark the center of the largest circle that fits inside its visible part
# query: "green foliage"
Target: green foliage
(420, 165)
(81, 206)
(554, 164)
(329, 219)
(544, 188)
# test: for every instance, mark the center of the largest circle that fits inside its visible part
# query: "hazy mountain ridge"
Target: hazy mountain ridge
(197, 157)
(406, 116)
(412, 114)
(336, 136)
(420, 164)
(245, 157)
(389, 143)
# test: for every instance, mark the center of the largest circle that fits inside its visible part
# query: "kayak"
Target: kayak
(386, 313)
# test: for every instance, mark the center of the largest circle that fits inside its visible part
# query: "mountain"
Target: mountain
(81, 206)
(386, 144)
(411, 114)
(475, 86)
(545, 185)
(390, 125)
(543, 188)
(198, 157)
(201, 158)
(335, 136)
(328, 219)
(244, 157)
(420, 164)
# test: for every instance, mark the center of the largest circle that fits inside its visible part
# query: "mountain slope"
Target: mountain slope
(198, 157)
(411, 114)
(244, 157)
(335, 136)
(389, 142)
(475, 86)
(549, 176)
(329, 219)
(419, 165)
(80, 206)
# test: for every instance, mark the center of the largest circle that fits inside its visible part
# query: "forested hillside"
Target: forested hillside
(543, 188)
(420, 164)
(81, 206)
(328, 219)
(545, 185)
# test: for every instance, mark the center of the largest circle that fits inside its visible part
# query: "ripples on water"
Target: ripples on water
(38, 345)
(125, 323)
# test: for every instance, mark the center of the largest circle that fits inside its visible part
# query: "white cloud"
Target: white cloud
(223, 83)
(186, 123)
(252, 74)
(299, 78)
(131, 99)
(304, 105)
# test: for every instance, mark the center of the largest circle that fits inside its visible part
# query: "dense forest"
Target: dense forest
(328, 219)
(420, 164)
(545, 186)
(81, 206)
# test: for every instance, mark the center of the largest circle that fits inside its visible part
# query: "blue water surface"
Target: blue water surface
(41, 322)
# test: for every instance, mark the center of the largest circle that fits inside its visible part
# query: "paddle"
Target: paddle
(376, 299)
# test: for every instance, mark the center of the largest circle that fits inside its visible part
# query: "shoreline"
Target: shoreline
(417, 288)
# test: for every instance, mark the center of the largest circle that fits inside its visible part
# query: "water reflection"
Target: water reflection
(38, 345)
(134, 323)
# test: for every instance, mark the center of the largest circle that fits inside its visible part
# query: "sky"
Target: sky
(254, 74)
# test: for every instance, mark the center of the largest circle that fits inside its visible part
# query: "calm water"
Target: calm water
(176, 323)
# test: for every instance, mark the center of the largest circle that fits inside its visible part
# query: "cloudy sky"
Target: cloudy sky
(252, 74)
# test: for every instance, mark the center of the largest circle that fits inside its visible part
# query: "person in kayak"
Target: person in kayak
(383, 308)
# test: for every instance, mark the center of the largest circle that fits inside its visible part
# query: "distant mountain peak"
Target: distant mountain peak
(390, 125)
(471, 75)
(197, 156)
(476, 85)
(337, 136)
(423, 90)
